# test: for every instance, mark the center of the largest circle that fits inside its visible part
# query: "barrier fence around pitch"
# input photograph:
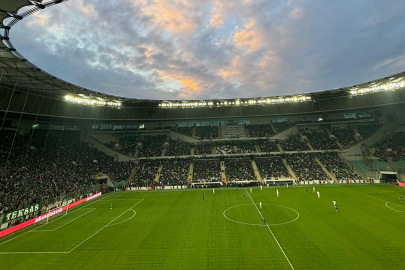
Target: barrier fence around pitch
(47, 215)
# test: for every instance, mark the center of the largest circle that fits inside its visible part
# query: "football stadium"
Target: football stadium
(92, 180)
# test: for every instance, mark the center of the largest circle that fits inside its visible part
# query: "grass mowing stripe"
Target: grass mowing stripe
(271, 232)
(104, 227)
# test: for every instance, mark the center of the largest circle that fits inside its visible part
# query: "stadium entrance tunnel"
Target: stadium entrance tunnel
(247, 214)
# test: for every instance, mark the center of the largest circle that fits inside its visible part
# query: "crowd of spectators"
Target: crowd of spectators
(320, 139)
(128, 145)
(294, 143)
(337, 167)
(345, 136)
(391, 146)
(281, 126)
(264, 130)
(188, 131)
(267, 146)
(207, 170)
(272, 168)
(175, 172)
(178, 148)
(306, 168)
(206, 132)
(246, 147)
(48, 165)
(239, 169)
(146, 172)
(152, 146)
(203, 148)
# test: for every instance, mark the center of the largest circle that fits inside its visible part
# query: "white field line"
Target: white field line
(104, 227)
(386, 204)
(124, 220)
(49, 222)
(382, 199)
(121, 200)
(92, 209)
(271, 231)
(34, 252)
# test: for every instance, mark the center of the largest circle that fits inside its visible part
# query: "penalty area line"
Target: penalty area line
(103, 227)
(271, 232)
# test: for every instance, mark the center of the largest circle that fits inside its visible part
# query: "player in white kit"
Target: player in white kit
(313, 189)
(260, 203)
(277, 193)
(319, 194)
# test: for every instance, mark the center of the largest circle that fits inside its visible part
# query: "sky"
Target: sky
(210, 49)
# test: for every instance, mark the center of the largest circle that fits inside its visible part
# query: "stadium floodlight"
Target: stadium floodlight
(386, 87)
(91, 102)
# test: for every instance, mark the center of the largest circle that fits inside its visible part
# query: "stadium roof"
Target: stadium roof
(19, 73)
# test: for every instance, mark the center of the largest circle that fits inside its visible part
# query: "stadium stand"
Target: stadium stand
(305, 168)
(272, 168)
(152, 146)
(146, 172)
(206, 170)
(260, 130)
(319, 139)
(239, 169)
(45, 166)
(338, 168)
(174, 172)
(178, 148)
(345, 136)
(294, 143)
(391, 146)
(206, 132)
(201, 149)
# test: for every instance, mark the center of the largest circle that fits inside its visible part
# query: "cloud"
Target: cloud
(182, 49)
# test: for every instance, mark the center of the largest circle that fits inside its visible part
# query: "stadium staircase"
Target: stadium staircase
(257, 173)
(337, 140)
(257, 148)
(194, 131)
(307, 140)
(273, 128)
(280, 148)
(223, 174)
(190, 172)
(292, 173)
(138, 149)
(354, 168)
(158, 173)
(134, 171)
(331, 176)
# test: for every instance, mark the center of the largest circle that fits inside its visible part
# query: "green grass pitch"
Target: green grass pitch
(177, 230)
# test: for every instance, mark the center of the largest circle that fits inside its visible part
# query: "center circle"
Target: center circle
(275, 214)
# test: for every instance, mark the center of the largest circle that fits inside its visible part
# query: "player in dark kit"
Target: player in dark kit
(264, 220)
(307, 190)
(336, 208)
(203, 197)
